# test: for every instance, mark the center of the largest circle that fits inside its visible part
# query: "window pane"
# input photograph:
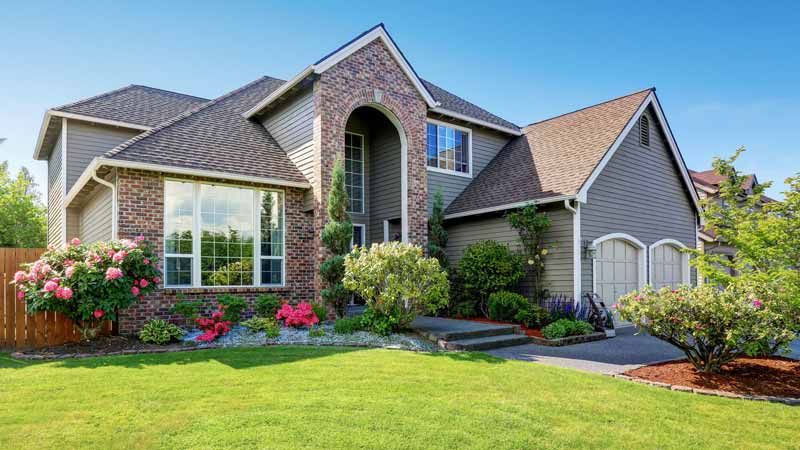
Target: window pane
(354, 171)
(178, 216)
(178, 271)
(447, 148)
(271, 271)
(226, 227)
(432, 152)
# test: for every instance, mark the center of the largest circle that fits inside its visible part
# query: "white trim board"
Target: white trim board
(483, 123)
(651, 99)
(514, 205)
(378, 32)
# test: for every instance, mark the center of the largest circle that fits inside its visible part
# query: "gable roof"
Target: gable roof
(559, 158)
(214, 138)
(711, 179)
(453, 105)
(133, 106)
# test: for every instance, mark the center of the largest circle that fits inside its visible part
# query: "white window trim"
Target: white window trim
(363, 233)
(363, 174)
(257, 192)
(685, 272)
(642, 258)
(469, 149)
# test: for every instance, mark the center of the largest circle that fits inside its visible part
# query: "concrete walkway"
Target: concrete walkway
(625, 352)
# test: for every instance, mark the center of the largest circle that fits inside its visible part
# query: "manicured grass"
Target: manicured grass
(326, 398)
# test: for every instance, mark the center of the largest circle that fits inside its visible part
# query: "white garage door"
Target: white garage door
(616, 272)
(667, 267)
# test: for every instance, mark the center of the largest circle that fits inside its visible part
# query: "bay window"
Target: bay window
(216, 235)
(448, 148)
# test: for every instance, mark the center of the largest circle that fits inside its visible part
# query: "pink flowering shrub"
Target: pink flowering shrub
(301, 316)
(89, 283)
(214, 326)
(714, 326)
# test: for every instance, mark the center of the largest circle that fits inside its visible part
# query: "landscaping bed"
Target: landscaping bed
(102, 345)
(538, 338)
(748, 377)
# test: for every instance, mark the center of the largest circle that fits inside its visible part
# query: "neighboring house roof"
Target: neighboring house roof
(454, 103)
(710, 180)
(553, 159)
(214, 136)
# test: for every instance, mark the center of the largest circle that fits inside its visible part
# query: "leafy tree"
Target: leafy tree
(488, 267)
(336, 236)
(23, 221)
(531, 226)
(437, 235)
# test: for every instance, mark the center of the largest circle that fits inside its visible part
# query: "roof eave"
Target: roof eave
(37, 150)
(540, 201)
(483, 123)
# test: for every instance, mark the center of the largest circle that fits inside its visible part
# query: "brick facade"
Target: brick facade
(140, 196)
(369, 77)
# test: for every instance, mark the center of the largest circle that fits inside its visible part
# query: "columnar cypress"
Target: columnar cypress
(336, 236)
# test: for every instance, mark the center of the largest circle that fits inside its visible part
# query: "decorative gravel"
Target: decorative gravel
(240, 336)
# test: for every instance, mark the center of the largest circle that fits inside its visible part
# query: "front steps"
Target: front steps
(451, 334)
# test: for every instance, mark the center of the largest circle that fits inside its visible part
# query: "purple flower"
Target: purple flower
(757, 304)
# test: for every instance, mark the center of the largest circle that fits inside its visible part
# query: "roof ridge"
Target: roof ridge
(169, 92)
(587, 107)
(94, 97)
(184, 115)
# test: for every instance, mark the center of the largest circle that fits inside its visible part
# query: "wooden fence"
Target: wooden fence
(18, 330)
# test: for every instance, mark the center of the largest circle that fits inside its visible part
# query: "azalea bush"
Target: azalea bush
(397, 281)
(214, 326)
(712, 325)
(89, 283)
(301, 316)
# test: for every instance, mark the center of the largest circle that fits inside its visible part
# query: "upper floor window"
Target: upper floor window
(354, 171)
(218, 235)
(449, 148)
(644, 130)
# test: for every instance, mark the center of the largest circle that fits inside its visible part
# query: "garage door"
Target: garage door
(616, 271)
(667, 267)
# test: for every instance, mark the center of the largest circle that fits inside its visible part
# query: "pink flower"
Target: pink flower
(135, 290)
(45, 269)
(143, 283)
(75, 241)
(20, 276)
(156, 280)
(113, 273)
(70, 270)
(50, 286)
(64, 293)
(68, 262)
(757, 304)
(119, 256)
(98, 313)
(20, 295)
(139, 238)
(110, 253)
(146, 261)
(638, 298)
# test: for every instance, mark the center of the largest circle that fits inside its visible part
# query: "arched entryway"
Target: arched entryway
(376, 174)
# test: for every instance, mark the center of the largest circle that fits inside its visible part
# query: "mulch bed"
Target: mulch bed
(530, 332)
(102, 345)
(773, 376)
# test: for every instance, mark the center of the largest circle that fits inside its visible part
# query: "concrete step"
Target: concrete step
(486, 342)
(440, 329)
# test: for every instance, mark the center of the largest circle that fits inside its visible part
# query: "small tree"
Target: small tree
(531, 226)
(437, 235)
(397, 281)
(23, 222)
(488, 267)
(336, 236)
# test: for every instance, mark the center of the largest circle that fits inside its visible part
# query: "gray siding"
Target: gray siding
(55, 196)
(485, 145)
(85, 141)
(385, 201)
(558, 241)
(292, 126)
(640, 192)
(94, 218)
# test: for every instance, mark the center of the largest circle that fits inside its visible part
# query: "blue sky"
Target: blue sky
(726, 72)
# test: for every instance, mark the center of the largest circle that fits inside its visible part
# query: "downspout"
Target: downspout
(113, 188)
(576, 250)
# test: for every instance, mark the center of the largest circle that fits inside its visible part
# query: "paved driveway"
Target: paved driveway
(624, 352)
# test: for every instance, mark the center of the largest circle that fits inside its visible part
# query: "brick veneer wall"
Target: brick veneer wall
(370, 76)
(140, 196)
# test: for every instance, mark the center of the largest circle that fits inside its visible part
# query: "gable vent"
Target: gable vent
(644, 130)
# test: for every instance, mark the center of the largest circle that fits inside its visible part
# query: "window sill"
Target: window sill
(449, 172)
(221, 289)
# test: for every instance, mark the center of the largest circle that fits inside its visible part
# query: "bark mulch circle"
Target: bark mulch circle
(773, 376)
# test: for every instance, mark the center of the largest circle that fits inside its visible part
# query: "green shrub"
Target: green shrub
(505, 305)
(397, 281)
(380, 323)
(714, 326)
(234, 306)
(316, 331)
(348, 325)
(159, 332)
(189, 310)
(266, 324)
(320, 311)
(566, 327)
(267, 305)
(532, 316)
(489, 267)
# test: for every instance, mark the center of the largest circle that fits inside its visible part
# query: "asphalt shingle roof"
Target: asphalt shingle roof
(457, 104)
(552, 158)
(215, 136)
(140, 105)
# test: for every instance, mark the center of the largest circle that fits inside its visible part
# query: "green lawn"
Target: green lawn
(325, 398)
